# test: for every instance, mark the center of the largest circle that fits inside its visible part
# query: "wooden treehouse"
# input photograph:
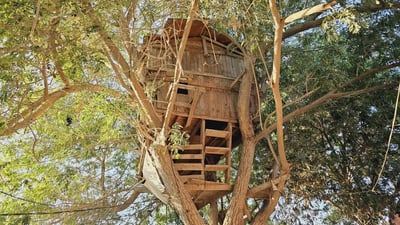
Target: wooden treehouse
(205, 102)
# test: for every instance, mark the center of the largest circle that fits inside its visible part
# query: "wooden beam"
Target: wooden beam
(193, 147)
(217, 133)
(216, 167)
(236, 80)
(188, 166)
(217, 150)
(189, 156)
(208, 186)
(195, 100)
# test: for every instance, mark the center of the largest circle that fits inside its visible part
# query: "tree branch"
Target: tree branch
(370, 72)
(117, 56)
(269, 206)
(306, 12)
(178, 64)
(57, 64)
(316, 23)
(35, 110)
(255, 191)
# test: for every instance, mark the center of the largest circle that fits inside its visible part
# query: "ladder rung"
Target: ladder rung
(183, 104)
(185, 178)
(216, 150)
(193, 147)
(189, 156)
(217, 133)
(216, 167)
(188, 166)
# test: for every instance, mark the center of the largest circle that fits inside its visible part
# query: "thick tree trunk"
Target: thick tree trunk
(177, 196)
(235, 211)
(213, 219)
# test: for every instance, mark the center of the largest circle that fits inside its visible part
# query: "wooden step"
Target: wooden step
(193, 147)
(217, 133)
(191, 178)
(183, 104)
(216, 150)
(216, 167)
(188, 166)
(189, 156)
(207, 186)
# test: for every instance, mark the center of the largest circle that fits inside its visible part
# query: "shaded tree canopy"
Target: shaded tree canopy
(76, 118)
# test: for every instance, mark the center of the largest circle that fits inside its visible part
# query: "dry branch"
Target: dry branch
(306, 12)
(178, 64)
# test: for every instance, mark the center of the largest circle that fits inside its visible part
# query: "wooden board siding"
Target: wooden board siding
(217, 61)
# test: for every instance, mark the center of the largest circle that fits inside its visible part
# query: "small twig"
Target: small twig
(35, 139)
(44, 75)
(35, 21)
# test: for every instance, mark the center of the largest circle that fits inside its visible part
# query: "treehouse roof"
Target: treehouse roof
(175, 27)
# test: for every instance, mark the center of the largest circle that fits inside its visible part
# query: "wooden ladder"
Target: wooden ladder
(190, 163)
(217, 144)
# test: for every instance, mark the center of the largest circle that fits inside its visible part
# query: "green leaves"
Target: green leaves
(177, 139)
(347, 17)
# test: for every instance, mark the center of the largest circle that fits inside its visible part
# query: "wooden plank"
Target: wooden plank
(217, 150)
(238, 53)
(183, 104)
(190, 156)
(208, 186)
(194, 73)
(217, 133)
(193, 147)
(196, 97)
(236, 80)
(228, 155)
(190, 178)
(216, 167)
(188, 166)
(205, 49)
(202, 198)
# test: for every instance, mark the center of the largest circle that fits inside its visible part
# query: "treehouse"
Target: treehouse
(204, 102)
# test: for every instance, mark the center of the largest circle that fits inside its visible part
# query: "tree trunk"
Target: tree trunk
(175, 193)
(235, 211)
(213, 220)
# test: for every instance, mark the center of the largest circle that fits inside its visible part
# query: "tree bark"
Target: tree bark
(178, 197)
(235, 211)
(213, 220)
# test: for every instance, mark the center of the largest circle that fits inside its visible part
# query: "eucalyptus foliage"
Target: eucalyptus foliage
(70, 125)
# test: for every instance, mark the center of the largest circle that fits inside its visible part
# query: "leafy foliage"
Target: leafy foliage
(73, 157)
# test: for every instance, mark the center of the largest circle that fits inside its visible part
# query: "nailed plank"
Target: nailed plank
(217, 133)
(188, 166)
(183, 104)
(191, 178)
(216, 167)
(216, 150)
(193, 147)
(208, 186)
(190, 156)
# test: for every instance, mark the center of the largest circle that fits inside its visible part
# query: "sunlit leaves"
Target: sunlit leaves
(335, 23)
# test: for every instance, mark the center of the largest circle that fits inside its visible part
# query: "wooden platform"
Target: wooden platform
(204, 192)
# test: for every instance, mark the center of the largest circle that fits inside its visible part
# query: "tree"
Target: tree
(77, 117)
